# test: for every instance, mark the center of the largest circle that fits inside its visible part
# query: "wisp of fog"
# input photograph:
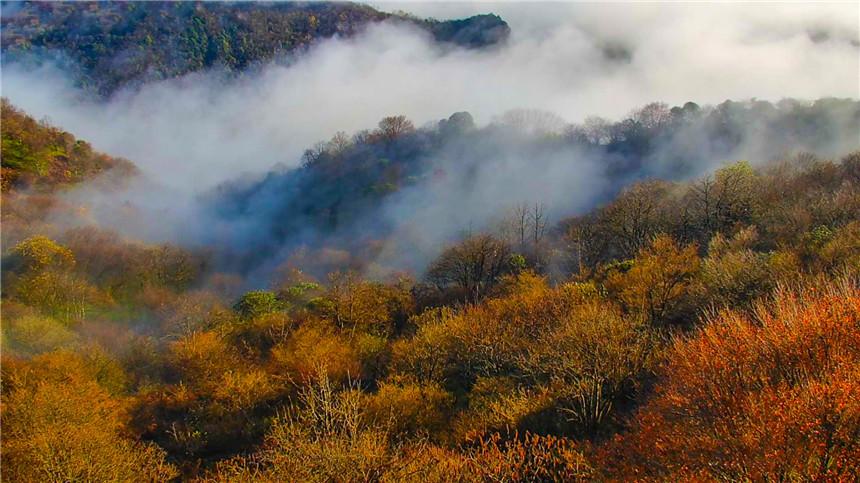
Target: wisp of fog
(192, 134)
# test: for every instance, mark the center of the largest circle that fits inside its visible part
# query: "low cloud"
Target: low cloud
(191, 134)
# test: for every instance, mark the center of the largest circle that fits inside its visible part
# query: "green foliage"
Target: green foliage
(518, 263)
(257, 303)
(38, 154)
(118, 44)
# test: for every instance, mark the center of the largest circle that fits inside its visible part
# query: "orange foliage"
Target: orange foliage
(532, 458)
(772, 397)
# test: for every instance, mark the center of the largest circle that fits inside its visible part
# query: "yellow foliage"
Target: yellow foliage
(310, 347)
(843, 250)
(34, 334)
(409, 407)
(658, 280)
(498, 404)
(364, 306)
(41, 252)
(59, 294)
(215, 369)
(60, 425)
(324, 439)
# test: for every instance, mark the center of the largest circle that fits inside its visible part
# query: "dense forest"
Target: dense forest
(117, 44)
(672, 295)
(720, 313)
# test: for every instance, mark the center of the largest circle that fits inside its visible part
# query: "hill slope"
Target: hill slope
(121, 43)
(36, 154)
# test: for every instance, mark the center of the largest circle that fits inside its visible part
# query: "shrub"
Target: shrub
(410, 408)
(35, 334)
(323, 438)
(733, 275)
(311, 346)
(530, 458)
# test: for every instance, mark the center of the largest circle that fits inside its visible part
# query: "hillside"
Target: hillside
(40, 156)
(349, 245)
(116, 44)
(350, 189)
(493, 365)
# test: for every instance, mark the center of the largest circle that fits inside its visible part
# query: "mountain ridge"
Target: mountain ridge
(123, 44)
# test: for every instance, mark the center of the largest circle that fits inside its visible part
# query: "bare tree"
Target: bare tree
(515, 225)
(534, 121)
(471, 266)
(537, 220)
(652, 116)
(393, 127)
(339, 143)
(314, 153)
(636, 215)
(596, 129)
(361, 137)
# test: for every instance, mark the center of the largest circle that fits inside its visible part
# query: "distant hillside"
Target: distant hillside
(346, 184)
(36, 154)
(120, 43)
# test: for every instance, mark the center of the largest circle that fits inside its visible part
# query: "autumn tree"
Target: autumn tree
(175, 267)
(637, 214)
(718, 203)
(363, 305)
(44, 279)
(733, 274)
(658, 280)
(40, 252)
(326, 437)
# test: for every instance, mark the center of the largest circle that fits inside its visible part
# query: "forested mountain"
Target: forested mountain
(115, 44)
(672, 295)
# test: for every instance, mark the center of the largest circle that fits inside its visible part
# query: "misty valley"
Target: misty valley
(445, 242)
